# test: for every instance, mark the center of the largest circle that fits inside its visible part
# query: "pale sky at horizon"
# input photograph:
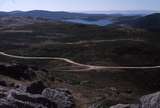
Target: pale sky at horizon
(79, 5)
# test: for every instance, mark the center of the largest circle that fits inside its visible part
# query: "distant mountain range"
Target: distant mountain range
(151, 21)
(89, 15)
(125, 12)
(51, 15)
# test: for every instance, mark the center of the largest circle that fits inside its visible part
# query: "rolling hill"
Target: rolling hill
(150, 22)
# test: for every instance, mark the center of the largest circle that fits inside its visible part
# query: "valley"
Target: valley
(99, 65)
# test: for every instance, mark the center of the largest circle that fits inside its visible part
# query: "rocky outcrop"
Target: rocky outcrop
(48, 98)
(32, 94)
(17, 99)
(148, 101)
(62, 97)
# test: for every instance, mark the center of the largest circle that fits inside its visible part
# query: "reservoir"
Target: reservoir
(102, 22)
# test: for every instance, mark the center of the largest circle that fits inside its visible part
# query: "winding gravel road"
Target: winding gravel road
(100, 41)
(86, 67)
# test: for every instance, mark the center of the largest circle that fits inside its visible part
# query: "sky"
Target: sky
(79, 5)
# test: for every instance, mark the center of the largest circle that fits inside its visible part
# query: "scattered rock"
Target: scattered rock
(21, 87)
(113, 89)
(36, 87)
(121, 106)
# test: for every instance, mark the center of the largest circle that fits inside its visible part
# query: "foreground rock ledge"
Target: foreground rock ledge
(49, 98)
(147, 101)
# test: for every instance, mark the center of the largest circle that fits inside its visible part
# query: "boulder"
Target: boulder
(150, 101)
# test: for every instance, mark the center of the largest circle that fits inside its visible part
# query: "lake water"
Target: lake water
(102, 22)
